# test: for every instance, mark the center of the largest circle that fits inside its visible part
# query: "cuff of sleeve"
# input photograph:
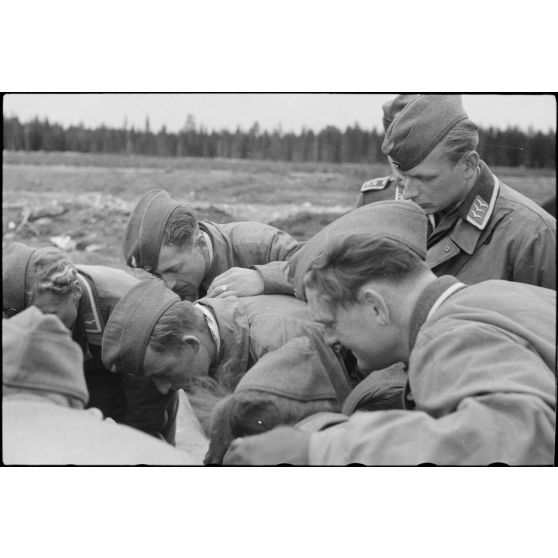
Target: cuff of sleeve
(274, 278)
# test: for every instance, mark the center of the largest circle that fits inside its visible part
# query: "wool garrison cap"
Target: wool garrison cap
(38, 354)
(420, 126)
(131, 322)
(402, 221)
(15, 261)
(295, 371)
(144, 232)
(392, 108)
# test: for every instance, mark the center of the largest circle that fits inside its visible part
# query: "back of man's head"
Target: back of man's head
(349, 263)
(39, 357)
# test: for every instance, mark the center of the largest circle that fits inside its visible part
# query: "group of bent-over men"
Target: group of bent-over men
(417, 328)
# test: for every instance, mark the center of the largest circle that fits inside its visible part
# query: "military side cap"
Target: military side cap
(392, 108)
(130, 325)
(38, 354)
(145, 228)
(402, 221)
(295, 371)
(15, 261)
(420, 126)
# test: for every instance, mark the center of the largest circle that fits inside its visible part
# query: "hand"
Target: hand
(236, 281)
(283, 444)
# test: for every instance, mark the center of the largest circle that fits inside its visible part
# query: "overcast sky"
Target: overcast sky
(291, 111)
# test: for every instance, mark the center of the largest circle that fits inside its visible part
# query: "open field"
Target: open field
(89, 197)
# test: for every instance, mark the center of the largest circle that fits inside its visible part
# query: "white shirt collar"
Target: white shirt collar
(211, 324)
(446, 294)
(209, 247)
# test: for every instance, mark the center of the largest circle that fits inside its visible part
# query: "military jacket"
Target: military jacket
(250, 327)
(244, 244)
(497, 233)
(37, 431)
(482, 370)
(132, 400)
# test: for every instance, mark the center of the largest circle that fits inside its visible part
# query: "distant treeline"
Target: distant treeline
(510, 147)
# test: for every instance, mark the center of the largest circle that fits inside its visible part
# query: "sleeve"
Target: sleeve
(535, 263)
(483, 398)
(274, 275)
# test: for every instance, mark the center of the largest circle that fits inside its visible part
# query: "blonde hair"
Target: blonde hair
(461, 139)
(50, 269)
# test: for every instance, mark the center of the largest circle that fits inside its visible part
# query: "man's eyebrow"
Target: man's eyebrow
(167, 269)
(421, 176)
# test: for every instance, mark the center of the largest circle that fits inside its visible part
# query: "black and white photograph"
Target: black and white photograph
(262, 279)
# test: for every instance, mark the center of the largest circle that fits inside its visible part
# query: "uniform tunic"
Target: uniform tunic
(250, 327)
(496, 233)
(244, 244)
(128, 399)
(482, 371)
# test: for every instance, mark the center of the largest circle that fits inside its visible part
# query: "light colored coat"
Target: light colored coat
(37, 431)
(483, 375)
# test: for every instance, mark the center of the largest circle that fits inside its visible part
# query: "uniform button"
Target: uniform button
(447, 249)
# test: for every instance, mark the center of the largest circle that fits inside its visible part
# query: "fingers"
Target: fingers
(236, 455)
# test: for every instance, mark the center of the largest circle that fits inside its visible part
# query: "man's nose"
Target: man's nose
(169, 283)
(409, 190)
(330, 338)
(162, 386)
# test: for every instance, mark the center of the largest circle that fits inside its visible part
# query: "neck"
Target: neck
(406, 298)
(207, 342)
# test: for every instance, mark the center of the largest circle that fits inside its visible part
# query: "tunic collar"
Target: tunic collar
(232, 360)
(479, 203)
(429, 301)
(211, 324)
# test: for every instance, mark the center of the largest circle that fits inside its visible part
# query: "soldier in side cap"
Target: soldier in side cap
(481, 228)
(43, 398)
(182, 345)
(83, 298)
(284, 387)
(164, 237)
(481, 364)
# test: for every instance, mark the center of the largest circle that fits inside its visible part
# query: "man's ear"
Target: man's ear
(377, 305)
(190, 341)
(77, 290)
(471, 161)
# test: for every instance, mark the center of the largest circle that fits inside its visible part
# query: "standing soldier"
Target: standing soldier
(480, 228)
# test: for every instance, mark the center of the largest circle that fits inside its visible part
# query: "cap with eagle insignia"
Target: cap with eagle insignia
(376, 184)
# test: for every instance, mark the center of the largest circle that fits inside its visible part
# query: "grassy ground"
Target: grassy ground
(99, 192)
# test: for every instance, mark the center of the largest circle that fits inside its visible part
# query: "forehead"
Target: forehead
(172, 255)
(48, 299)
(434, 164)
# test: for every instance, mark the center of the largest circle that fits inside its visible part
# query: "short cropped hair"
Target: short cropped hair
(461, 139)
(352, 261)
(50, 269)
(182, 317)
(180, 227)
